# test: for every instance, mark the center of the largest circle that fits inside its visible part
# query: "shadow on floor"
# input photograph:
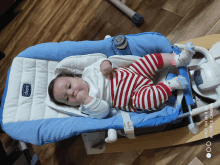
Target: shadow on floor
(9, 15)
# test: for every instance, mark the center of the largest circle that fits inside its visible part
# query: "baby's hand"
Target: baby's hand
(106, 67)
(84, 97)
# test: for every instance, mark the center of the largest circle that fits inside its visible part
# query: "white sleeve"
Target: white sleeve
(97, 108)
(123, 60)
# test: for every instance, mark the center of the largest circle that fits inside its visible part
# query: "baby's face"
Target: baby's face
(67, 88)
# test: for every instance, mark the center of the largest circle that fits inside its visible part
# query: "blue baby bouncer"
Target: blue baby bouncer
(25, 116)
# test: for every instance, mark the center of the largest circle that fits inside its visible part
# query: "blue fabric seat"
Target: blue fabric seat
(45, 131)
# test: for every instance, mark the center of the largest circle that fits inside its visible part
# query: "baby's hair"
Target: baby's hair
(51, 87)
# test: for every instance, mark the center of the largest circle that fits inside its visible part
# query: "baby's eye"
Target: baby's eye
(69, 86)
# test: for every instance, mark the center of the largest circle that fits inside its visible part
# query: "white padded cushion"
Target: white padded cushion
(76, 64)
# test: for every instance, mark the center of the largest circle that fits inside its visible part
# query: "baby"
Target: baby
(102, 85)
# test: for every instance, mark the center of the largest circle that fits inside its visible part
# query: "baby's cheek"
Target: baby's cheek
(72, 100)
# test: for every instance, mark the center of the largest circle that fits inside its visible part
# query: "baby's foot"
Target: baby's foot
(184, 58)
(177, 83)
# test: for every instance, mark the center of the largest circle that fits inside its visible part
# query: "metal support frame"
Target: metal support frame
(136, 18)
(17, 152)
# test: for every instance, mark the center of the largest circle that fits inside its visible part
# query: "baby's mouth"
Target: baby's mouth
(75, 93)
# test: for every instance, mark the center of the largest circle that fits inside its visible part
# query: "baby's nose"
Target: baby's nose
(71, 93)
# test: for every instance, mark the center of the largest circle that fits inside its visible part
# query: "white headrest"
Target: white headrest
(73, 111)
(76, 64)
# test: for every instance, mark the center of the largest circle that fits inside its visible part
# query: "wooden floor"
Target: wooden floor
(40, 21)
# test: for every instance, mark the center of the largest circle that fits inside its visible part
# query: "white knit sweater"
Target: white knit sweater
(99, 89)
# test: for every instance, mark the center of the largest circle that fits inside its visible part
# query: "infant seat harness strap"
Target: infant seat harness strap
(128, 125)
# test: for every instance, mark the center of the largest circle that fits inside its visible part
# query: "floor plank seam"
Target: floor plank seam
(172, 12)
(217, 22)
(184, 17)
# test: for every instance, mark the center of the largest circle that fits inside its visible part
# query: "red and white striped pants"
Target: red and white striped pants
(132, 88)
